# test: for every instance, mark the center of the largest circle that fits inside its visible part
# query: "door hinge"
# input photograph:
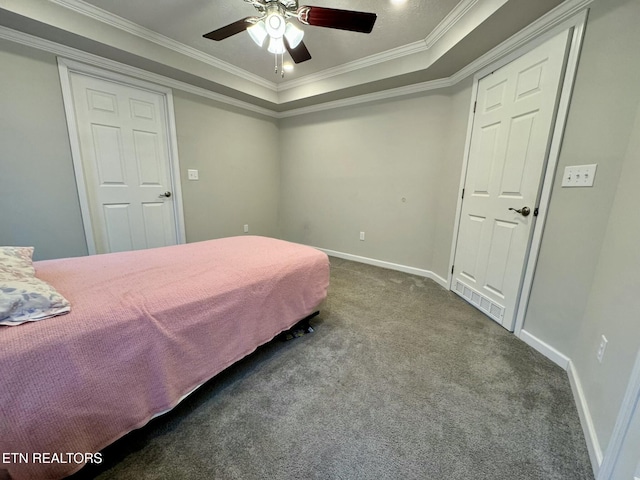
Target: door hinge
(452, 266)
(463, 193)
(535, 212)
(475, 104)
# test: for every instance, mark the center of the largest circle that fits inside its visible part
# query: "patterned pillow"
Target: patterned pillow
(23, 297)
(16, 262)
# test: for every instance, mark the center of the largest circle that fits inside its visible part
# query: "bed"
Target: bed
(145, 329)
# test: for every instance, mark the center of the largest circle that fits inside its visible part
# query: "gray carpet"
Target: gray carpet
(400, 380)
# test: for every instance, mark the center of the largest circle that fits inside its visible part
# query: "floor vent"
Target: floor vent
(483, 303)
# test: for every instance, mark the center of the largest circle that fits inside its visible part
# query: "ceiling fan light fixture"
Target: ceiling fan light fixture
(276, 46)
(258, 33)
(293, 34)
(273, 22)
(275, 25)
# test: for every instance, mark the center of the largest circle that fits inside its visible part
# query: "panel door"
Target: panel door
(125, 156)
(515, 112)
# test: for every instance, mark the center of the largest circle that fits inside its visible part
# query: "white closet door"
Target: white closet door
(515, 112)
(125, 156)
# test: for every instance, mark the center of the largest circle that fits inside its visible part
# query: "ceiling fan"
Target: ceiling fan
(286, 36)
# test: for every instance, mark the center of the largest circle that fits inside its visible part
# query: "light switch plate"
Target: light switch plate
(579, 176)
(193, 174)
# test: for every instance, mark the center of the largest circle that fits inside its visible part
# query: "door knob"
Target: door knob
(524, 211)
(165, 195)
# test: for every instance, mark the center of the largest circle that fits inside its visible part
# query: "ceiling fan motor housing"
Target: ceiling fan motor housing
(275, 21)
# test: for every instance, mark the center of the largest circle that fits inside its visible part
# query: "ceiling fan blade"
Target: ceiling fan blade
(299, 54)
(341, 19)
(229, 30)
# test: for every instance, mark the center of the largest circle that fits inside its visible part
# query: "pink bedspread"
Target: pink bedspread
(145, 328)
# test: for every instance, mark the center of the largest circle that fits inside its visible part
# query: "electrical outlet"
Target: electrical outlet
(362, 236)
(602, 348)
(246, 228)
(192, 174)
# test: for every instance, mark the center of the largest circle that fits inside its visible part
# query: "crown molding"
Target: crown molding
(109, 18)
(128, 26)
(91, 59)
(566, 12)
(447, 23)
(371, 60)
(370, 97)
(95, 60)
(565, 15)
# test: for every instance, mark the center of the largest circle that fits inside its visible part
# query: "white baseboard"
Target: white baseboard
(593, 445)
(545, 349)
(391, 266)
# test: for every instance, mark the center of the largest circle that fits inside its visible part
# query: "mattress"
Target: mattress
(145, 328)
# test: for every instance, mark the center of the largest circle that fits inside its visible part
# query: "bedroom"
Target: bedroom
(586, 272)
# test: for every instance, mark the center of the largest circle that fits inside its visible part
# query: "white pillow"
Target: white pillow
(23, 296)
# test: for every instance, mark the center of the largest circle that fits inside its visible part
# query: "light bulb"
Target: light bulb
(258, 33)
(276, 45)
(293, 35)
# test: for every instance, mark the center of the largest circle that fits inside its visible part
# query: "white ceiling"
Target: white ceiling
(186, 21)
(413, 42)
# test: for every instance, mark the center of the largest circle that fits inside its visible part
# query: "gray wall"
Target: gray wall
(598, 127)
(38, 198)
(448, 181)
(347, 170)
(39, 204)
(613, 307)
(237, 156)
(587, 274)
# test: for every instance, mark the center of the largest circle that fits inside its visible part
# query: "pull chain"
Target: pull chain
(281, 64)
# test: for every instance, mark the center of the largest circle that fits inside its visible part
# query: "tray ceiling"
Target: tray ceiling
(413, 41)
